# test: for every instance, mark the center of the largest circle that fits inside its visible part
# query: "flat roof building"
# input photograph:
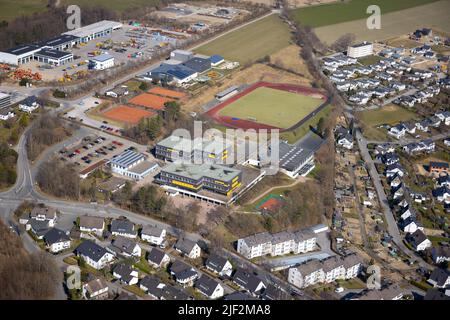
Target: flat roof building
(194, 177)
(95, 30)
(5, 100)
(19, 55)
(53, 57)
(360, 50)
(132, 165)
(101, 62)
(61, 42)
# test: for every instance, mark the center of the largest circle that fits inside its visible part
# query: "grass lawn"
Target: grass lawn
(390, 114)
(252, 42)
(294, 135)
(274, 107)
(328, 14)
(369, 60)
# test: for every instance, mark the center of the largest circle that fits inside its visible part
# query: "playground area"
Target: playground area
(265, 105)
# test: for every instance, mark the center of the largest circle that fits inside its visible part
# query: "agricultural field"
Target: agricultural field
(273, 107)
(433, 15)
(252, 42)
(334, 13)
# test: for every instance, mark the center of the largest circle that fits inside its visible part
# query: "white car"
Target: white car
(339, 290)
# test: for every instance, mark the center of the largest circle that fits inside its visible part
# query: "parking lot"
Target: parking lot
(92, 149)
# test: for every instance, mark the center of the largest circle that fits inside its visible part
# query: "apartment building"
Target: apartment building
(277, 244)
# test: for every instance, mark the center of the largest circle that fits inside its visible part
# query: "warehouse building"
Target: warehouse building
(295, 161)
(61, 43)
(175, 148)
(93, 31)
(19, 55)
(132, 165)
(176, 73)
(181, 55)
(198, 64)
(53, 57)
(101, 62)
(360, 50)
(194, 177)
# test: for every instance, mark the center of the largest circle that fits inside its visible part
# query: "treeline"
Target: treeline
(59, 179)
(45, 131)
(24, 276)
(43, 25)
(8, 160)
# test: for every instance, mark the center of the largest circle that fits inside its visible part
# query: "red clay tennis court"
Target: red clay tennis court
(167, 93)
(150, 101)
(127, 114)
(271, 203)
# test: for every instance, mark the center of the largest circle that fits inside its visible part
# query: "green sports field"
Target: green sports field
(273, 107)
(252, 42)
(333, 13)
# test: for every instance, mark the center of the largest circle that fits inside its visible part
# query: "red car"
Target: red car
(77, 151)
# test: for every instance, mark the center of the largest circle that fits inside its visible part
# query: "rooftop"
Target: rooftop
(127, 158)
(94, 28)
(198, 171)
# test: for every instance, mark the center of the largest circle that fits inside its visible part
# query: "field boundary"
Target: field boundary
(247, 124)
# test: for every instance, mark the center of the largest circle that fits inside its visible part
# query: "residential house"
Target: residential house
(390, 158)
(94, 255)
(153, 234)
(6, 114)
(390, 292)
(126, 247)
(158, 258)
(423, 125)
(123, 227)
(209, 287)
(395, 169)
(443, 180)
(44, 213)
(410, 225)
(249, 281)
(56, 240)
(444, 116)
(38, 227)
(126, 274)
(29, 104)
(188, 248)
(118, 92)
(384, 149)
(439, 278)
(436, 294)
(398, 131)
(440, 254)
(96, 289)
(152, 285)
(274, 293)
(419, 240)
(438, 167)
(183, 273)
(92, 224)
(219, 265)
(409, 127)
(435, 122)
(442, 194)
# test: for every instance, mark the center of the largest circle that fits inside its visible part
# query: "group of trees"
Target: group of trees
(45, 131)
(23, 275)
(8, 160)
(59, 179)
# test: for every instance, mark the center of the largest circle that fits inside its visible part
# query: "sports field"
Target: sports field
(274, 107)
(252, 42)
(127, 114)
(433, 15)
(150, 101)
(167, 93)
(333, 13)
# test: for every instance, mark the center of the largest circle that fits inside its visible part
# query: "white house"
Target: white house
(127, 247)
(158, 258)
(397, 131)
(188, 248)
(444, 116)
(29, 104)
(124, 228)
(439, 278)
(91, 224)
(209, 287)
(183, 273)
(56, 240)
(96, 289)
(409, 225)
(419, 240)
(44, 213)
(126, 274)
(219, 265)
(153, 234)
(94, 255)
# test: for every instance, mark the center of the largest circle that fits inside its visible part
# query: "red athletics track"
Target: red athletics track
(247, 124)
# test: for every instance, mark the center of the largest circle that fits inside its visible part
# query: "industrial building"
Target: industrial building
(5, 100)
(360, 50)
(101, 62)
(175, 148)
(198, 64)
(53, 57)
(195, 177)
(52, 51)
(132, 165)
(93, 31)
(295, 161)
(181, 55)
